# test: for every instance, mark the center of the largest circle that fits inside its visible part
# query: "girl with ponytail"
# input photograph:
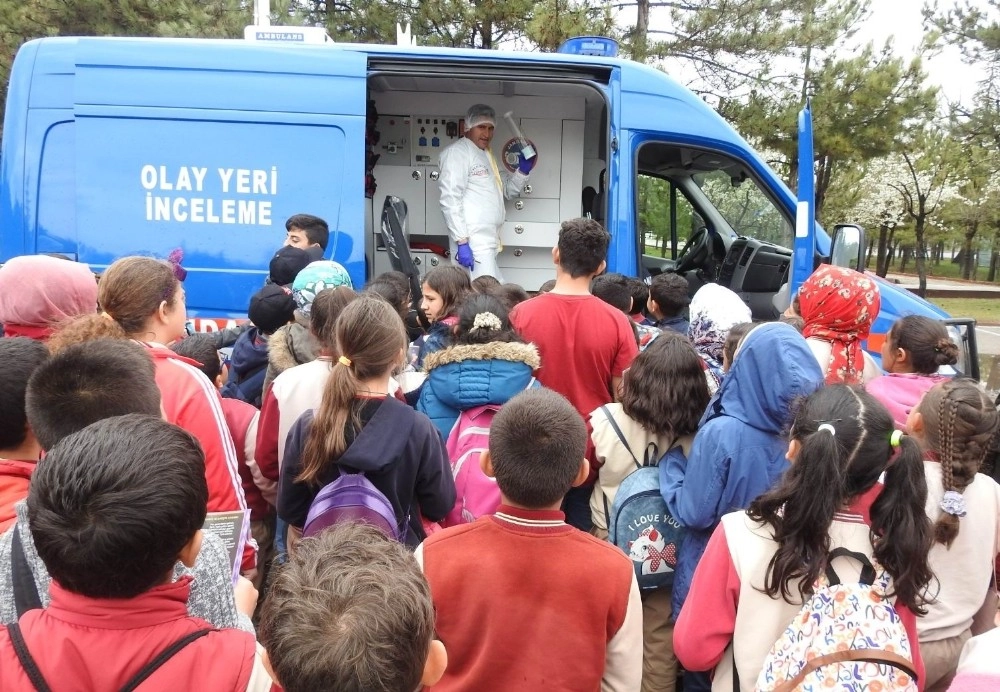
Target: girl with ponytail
(144, 297)
(955, 423)
(769, 557)
(915, 349)
(359, 427)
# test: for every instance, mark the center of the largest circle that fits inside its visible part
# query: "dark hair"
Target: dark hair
(395, 288)
(670, 293)
(640, 295)
(537, 442)
(960, 423)
(315, 228)
(512, 295)
(82, 329)
(88, 382)
(547, 286)
(452, 284)
(132, 289)
(583, 246)
(350, 611)
(486, 306)
(201, 349)
(665, 390)
(19, 357)
(485, 284)
(733, 338)
(613, 289)
(113, 505)
(326, 308)
(795, 321)
(926, 342)
(370, 334)
(833, 468)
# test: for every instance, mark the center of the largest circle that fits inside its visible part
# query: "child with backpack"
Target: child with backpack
(817, 583)
(109, 527)
(954, 423)
(444, 289)
(486, 364)
(662, 398)
(739, 450)
(359, 429)
(915, 348)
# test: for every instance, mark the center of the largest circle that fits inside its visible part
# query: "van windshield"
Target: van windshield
(747, 210)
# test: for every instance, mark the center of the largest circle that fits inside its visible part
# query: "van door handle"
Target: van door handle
(519, 228)
(435, 175)
(519, 205)
(527, 189)
(416, 175)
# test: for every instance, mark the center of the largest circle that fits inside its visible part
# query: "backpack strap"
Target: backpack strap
(26, 659)
(25, 590)
(620, 434)
(162, 658)
(862, 655)
(867, 569)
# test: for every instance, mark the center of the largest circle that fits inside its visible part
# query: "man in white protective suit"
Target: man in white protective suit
(473, 190)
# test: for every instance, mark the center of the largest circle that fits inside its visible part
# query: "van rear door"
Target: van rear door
(209, 146)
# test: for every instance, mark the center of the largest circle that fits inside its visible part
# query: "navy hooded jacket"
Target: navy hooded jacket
(739, 450)
(400, 452)
(247, 368)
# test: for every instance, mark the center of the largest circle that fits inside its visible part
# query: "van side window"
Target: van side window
(664, 216)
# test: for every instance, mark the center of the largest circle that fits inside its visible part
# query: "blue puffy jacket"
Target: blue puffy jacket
(739, 450)
(463, 377)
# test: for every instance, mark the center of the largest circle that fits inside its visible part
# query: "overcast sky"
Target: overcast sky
(902, 20)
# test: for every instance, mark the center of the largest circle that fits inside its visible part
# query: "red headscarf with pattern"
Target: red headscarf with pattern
(839, 305)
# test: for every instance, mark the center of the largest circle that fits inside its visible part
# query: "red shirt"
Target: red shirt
(584, 344)
(82, 643)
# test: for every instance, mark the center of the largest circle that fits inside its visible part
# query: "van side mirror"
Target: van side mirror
(848, 246)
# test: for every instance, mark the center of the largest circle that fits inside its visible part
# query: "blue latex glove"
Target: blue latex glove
(464, 256)
(524, 166)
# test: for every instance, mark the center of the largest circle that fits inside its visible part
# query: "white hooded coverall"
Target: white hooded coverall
(472, 200)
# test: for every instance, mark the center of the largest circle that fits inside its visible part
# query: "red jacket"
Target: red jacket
(239, 417)
(192, 402)
(93, 644)
(14, 479)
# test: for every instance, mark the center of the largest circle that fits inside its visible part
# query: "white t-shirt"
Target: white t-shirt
(822, 349)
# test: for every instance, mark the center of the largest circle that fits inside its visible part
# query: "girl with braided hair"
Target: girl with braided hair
(915, 348)
(955, 423)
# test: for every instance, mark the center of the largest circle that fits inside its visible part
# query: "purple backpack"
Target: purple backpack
(352, 497)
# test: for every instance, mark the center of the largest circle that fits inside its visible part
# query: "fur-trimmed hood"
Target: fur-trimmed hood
(290, 346)
(463, 377)
(513, 352)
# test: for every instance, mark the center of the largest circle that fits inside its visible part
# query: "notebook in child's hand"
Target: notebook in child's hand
(231, 527)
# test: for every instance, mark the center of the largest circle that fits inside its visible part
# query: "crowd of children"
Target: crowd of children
(608, 485)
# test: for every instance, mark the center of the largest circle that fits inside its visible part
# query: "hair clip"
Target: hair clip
(488, 321)
(345, 361)
(953, 503)
(896, 438)
(827, 428)
(175, 258)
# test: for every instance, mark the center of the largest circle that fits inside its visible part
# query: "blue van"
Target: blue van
(117, 146)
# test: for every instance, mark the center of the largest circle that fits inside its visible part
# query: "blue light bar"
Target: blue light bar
(590, 45)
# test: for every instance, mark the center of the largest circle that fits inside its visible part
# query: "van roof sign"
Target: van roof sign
(590, 45)
(286, 34)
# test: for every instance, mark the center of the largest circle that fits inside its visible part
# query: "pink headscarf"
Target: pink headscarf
(37, 292)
